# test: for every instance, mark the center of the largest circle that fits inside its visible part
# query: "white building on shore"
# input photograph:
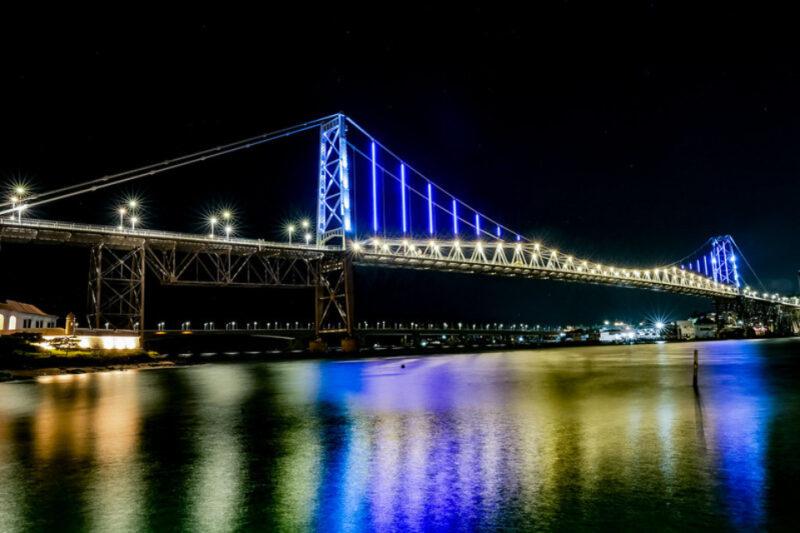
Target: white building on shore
(17, 316)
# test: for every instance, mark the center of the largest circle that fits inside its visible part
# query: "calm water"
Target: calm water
(603, 437)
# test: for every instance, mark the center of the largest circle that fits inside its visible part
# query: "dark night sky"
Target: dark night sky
(626, 136)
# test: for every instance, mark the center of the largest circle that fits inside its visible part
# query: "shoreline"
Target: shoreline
(125, 363)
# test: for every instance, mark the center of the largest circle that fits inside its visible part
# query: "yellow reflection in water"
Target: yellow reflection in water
(115, 500)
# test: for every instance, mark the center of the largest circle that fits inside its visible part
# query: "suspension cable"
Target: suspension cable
(746, 262)
(162, 166)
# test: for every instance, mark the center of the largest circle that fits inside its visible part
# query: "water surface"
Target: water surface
(580, 438)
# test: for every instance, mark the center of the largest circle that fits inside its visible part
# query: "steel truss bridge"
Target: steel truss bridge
(427, 228)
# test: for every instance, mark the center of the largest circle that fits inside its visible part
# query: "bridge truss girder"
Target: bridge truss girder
(227, 268)
(117, 279)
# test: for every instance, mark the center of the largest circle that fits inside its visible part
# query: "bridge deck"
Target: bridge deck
(498, 258)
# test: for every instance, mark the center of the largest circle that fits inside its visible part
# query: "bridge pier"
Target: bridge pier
(116, 287)
(334, 301)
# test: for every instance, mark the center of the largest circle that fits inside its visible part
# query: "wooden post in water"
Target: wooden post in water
(694, 378)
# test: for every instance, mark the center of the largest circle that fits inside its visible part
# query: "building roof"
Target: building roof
(19, 307)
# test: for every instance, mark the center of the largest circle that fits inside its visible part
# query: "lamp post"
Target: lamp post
(17, 199)
(228, 230)
(308, 238)
(14, 199)
(134, 220)
(290, 230)
(122, 211)
(213, 222)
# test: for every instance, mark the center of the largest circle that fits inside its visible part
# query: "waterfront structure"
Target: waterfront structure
(697, 328)
(18, 316)
(439, 231)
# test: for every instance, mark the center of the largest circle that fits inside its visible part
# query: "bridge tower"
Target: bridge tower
(334, 284)
(724, 266)
(334, 218)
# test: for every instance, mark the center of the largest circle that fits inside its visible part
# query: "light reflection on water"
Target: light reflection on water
(610, 437)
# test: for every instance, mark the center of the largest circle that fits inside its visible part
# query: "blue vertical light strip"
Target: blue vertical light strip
(498, 232)
(714, 267)
(403, 196)
(374, 193)
(477, 225)
(519, 238)
(698, 265)
(735, 270)
(344, 177)
(705, 264)
(455, 217)
(430, 209)
(727, 278)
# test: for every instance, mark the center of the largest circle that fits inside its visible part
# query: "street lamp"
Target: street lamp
(134, 220)
(226, 215)
(133, 203)
(213, 222)
(305, 223)
(122, 211)
(308, 238)
(14, 199)
(228, 230)
(290, 230)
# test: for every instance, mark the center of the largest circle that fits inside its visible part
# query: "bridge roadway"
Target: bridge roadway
(498, 258)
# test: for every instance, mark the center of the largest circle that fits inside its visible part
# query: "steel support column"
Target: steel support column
(116, 288)
(334, 296)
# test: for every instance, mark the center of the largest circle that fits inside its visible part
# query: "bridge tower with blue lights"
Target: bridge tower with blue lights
(334, 202)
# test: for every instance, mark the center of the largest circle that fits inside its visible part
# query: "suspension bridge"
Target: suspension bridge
(401, 219)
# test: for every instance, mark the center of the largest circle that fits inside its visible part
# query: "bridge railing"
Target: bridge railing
(157, 234)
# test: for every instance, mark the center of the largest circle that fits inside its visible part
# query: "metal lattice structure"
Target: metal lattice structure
(223, 266)
(334, 218)
(116, 287)
(723, 261)
(334, 297)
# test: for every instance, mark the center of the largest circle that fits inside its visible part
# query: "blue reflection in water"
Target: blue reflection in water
(740, 405)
